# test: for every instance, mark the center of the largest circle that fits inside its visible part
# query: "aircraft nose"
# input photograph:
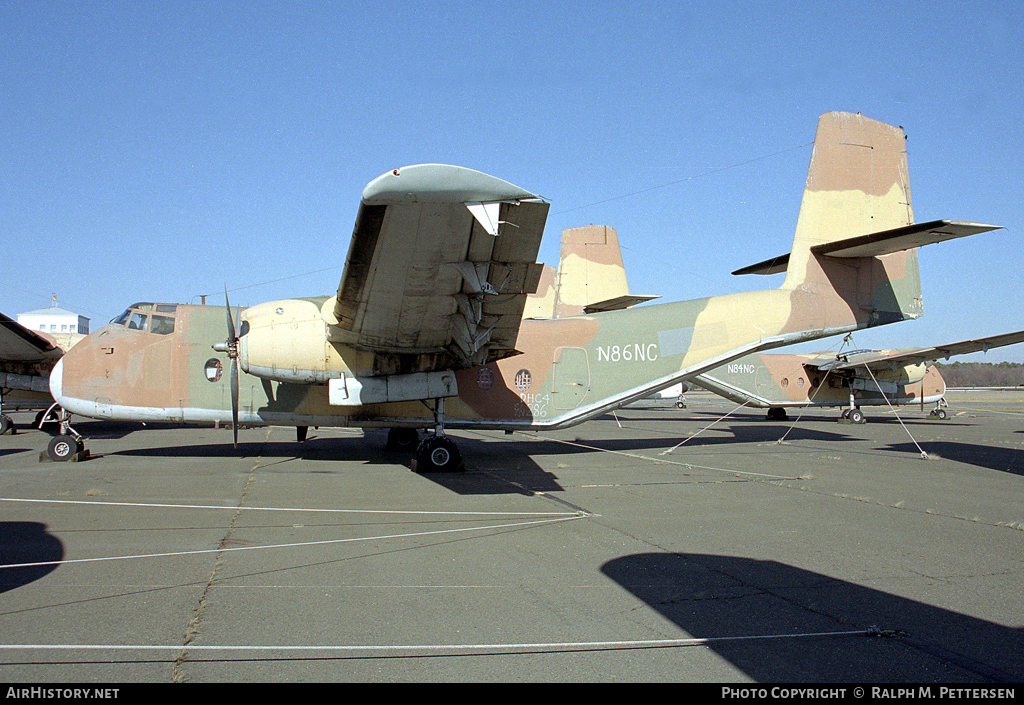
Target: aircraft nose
(57, 380)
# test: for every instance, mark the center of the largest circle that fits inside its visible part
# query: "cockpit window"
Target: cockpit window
(134, 318)
(163, 325)
(138, 321)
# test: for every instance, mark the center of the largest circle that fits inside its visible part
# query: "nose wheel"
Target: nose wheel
(63, 448)
(68, 445)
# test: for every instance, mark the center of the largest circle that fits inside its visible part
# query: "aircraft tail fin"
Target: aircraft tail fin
(590, 269)
(856, 241)
(591, 275)
(857, 185)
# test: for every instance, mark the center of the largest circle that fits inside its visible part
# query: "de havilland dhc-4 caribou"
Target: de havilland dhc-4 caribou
(427, 328)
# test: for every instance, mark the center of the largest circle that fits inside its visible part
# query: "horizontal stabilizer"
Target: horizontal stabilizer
(618, 303)
(881, 243)
(775, 265)
(899, 239)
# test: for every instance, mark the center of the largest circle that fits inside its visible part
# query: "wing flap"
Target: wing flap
(441, 261)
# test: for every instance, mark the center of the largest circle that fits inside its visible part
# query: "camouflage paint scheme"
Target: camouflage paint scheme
(853, 379)
(569, 369)
(591, 268)
(780, 380)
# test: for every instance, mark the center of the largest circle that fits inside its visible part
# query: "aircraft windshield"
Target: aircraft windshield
(154, 318)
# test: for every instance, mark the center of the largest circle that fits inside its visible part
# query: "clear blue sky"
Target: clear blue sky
(162, 150)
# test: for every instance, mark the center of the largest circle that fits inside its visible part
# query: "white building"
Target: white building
(54, 320)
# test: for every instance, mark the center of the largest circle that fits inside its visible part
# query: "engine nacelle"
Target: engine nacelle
(286, 341)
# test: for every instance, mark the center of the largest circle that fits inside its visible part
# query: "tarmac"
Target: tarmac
(703, 544)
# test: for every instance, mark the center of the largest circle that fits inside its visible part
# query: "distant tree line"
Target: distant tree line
(982, 374)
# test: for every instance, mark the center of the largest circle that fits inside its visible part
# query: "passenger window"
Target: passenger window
(163, 325)
(138, 322)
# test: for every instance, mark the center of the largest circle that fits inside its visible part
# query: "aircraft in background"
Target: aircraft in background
(26, 359)
(427, 327)
(853, 379)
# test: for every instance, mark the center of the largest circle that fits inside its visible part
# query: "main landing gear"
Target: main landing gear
(436, 453)
(853, 414)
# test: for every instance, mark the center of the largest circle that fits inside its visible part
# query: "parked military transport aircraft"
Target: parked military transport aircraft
(427, 328)
(26, 359)
(853, 379)
(591, 268)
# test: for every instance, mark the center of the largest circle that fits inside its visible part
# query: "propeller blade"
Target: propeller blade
(232, 336)
(234, 400)
(232, 348)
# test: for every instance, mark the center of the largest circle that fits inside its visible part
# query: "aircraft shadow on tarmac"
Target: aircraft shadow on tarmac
(713, 597)
(742, 432)
(24, 542)
(492, 469)
(1010, 460)
(816, 416)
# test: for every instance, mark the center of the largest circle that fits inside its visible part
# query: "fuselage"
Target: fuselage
(789, 380)
(157, 363)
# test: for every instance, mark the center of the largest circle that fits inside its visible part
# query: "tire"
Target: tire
(438, 454)
(6, 424)
(856, 416)
(63, 448)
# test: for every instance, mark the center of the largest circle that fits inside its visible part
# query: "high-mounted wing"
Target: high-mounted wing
(19, 344)
(915, 356)
(441, 262)
(25, 357)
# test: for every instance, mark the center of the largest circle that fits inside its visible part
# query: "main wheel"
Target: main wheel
(438, 454)
(856, 416)
(6, 424)
(63, 448)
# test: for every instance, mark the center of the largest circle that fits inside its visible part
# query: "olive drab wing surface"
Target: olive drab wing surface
(427, 330)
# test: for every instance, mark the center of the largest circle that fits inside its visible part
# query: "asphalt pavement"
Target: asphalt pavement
(703, 544)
